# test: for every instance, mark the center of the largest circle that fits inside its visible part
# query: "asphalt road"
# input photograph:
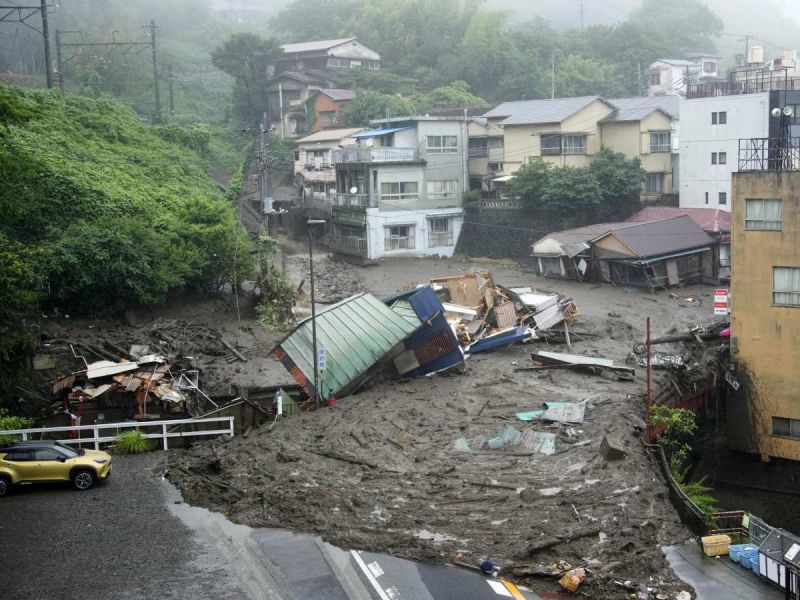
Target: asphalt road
(131, 537)
(117, 540)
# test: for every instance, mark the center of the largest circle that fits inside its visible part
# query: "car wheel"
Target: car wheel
(5, 486)
(83, 479)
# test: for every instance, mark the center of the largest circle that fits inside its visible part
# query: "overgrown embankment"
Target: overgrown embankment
(101, 212)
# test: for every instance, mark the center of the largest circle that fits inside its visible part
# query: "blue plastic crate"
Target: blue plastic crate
(737, 550)
(746, 561)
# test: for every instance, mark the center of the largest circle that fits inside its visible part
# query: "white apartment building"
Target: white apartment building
(711, 128)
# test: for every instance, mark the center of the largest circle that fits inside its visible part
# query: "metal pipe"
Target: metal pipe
(315, 357)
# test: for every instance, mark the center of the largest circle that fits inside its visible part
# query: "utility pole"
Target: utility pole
(638, 79)
(20, 14)
(581, 1)
(171, 90)
(126, 48)
(553, 76)
(59, 63)
(46, 35)
(152, 27)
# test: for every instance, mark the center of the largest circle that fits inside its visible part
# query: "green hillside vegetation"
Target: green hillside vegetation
(102, 212)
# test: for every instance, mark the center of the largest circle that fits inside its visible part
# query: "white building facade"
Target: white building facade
(711, 128)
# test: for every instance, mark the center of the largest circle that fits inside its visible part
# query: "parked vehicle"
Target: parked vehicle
(46, 461)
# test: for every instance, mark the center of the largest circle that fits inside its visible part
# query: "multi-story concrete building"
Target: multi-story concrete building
(715, 117)
(763, 411)
(400, 189)
(673, 76)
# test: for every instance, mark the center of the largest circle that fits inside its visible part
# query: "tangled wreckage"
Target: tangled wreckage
(428, 329)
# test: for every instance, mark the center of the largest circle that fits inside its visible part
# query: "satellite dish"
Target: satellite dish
(776, 112)
(787, 110)
(354, 190)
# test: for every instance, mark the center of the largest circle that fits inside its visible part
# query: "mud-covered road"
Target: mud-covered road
(379, 470)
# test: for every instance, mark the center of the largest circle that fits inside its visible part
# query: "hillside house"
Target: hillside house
(400, 189)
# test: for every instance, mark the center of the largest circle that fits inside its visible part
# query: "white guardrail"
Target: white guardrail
(96, 438)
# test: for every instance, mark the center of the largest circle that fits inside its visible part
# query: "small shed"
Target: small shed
(433, 346)
(568, 253)
(658, 254)
(359, 334)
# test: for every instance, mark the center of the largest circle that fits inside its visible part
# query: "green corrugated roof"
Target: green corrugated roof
(405, 310)
(356, 332)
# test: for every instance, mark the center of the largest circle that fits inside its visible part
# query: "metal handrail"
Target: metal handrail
(164, 435)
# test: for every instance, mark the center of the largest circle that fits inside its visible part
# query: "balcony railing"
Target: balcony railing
(745, 82)
(356, 200)
(769, 154)
(354, 246)
(363, 154)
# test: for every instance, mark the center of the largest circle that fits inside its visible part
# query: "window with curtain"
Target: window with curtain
(399, 190)
(763, 214)
(660, 141)
(440, 231)
(786, 286)
(551, 144)
(438, 190)
(439, 144)
(574, 144)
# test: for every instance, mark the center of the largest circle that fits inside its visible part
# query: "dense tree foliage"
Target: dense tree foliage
(369, 104)
(439, 41)
(101, 212)
(608, 189)
(245, 57)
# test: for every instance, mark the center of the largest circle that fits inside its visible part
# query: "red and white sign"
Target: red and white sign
(721, 302)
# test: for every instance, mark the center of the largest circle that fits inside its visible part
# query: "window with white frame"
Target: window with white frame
(551, 144)
(763, 214)
(399, 237)
(441, 144)
(786, 286)
(399, 190)
(655, 77)
(654, 184)
(574, 144)
(660, 141)
(723, 158)
(713, 158)
(438, 190)
(440, 231)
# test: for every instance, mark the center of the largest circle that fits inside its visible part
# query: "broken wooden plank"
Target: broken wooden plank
(230, 347)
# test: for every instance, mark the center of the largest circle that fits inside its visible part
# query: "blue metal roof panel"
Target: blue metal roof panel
(379, 132)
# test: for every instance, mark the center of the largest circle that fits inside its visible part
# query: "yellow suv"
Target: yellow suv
(39, 462)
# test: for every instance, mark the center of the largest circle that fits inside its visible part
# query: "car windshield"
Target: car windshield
(70, 452)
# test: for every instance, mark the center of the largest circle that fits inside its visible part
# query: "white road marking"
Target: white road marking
(394, 594)
(375, 568)
(370, 577)
(499, 588)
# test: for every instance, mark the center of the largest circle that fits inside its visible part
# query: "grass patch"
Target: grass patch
(132, 442)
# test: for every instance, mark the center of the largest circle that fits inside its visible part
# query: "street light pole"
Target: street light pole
(315, 357)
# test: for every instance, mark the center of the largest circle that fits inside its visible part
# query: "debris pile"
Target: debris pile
(427, 329)
(486, 316)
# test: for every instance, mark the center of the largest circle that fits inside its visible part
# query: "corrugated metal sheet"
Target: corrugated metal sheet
(356, 332)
